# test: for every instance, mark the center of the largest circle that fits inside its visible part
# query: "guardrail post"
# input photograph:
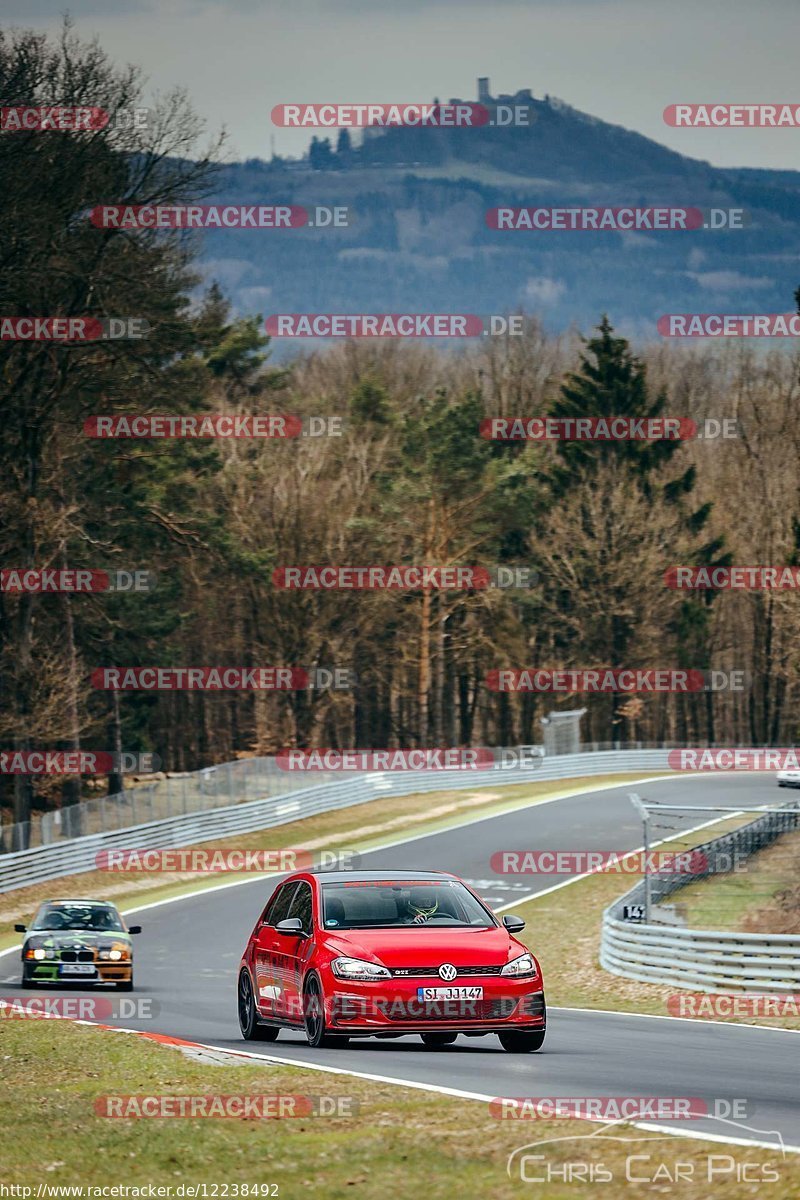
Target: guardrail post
(636, 801)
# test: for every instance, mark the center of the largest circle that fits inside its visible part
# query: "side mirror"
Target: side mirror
(291, 927)
(513, 924)
(20, 928)
(134, 929)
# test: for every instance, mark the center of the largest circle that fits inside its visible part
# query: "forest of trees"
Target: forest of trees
(410, 481)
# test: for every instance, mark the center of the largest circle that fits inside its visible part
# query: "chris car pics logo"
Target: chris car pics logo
(658, 1161)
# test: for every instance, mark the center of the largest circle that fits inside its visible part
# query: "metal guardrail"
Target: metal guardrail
(42, 863)
(702, 960)
(705, 960)
(177, 794)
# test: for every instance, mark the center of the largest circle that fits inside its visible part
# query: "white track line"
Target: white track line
(461, 1094)
(613, 1012)
(600, 871)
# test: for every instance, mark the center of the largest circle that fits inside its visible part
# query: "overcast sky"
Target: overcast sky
(622, 60)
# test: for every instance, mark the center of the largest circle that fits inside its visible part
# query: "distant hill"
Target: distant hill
(419, 241)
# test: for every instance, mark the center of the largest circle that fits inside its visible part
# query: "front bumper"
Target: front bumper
(48, 971)
(393, 1006)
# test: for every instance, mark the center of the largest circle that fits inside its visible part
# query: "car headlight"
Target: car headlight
(358, 968)
(524, 965)
(39, 954)
(114, 955)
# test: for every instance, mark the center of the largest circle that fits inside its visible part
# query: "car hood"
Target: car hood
(416, 946)
(75, 939)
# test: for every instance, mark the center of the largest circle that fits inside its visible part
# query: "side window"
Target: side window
(301, 906)
(278, 907)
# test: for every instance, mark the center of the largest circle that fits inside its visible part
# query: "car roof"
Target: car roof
(366, 876)
(79, 900)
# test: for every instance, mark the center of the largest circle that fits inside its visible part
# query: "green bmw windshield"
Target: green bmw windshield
(93, 918)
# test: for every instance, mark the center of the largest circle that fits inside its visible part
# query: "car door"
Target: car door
(294, 951)
(268, 968)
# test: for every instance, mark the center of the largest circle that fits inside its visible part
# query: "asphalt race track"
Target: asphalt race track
(188, 955)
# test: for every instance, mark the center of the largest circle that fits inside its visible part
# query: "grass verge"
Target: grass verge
(401, 1141)
(762, 898)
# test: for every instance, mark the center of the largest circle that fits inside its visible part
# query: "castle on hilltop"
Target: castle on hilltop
(349, 153)
(523, 96)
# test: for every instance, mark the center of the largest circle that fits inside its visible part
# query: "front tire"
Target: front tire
(27, 982)
(252, 1029)
(434, 1041)
(522, 1042)
(125, 985)
(314, 1018)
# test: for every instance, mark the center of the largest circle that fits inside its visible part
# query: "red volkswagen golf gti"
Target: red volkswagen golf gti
(346, 954)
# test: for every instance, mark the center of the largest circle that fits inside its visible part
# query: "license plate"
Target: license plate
(77, 969)
(450, 993)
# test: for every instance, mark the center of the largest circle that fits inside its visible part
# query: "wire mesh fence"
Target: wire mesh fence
(165, 796)
(745, 878)
(197, 791)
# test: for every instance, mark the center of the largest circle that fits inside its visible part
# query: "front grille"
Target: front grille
(450, 1010)
(366, 1009)
(77, 956)
(431, 972)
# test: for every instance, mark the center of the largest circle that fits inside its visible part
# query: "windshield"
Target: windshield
(391, 904)
(92, 917)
